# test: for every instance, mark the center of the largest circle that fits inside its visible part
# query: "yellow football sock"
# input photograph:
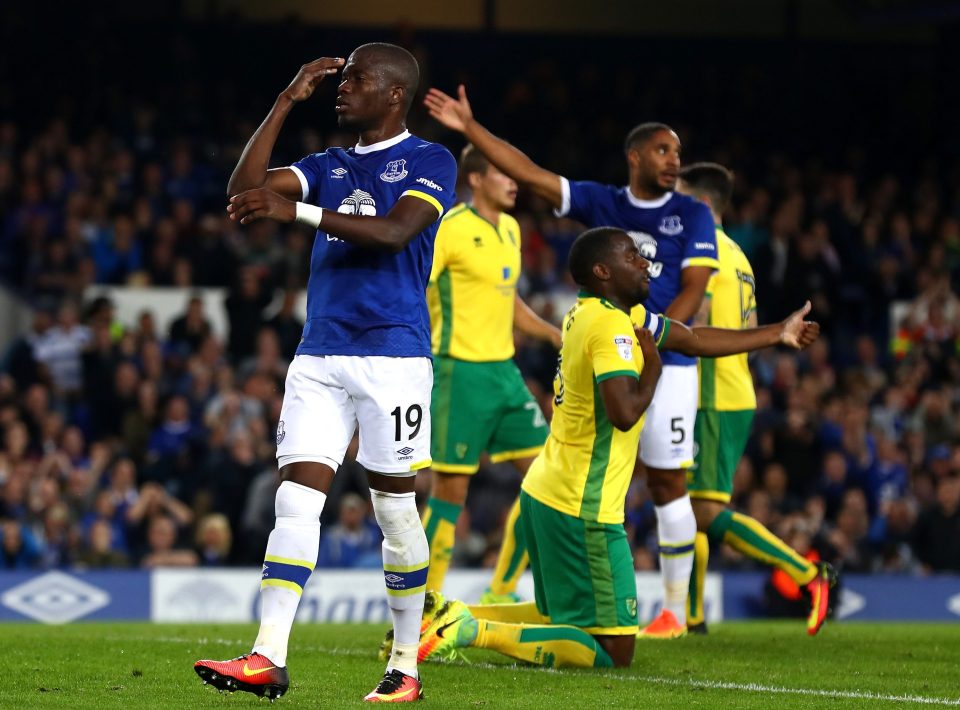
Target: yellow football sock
(698, 579)
(440, 525)
(513, 559)
(522, 613)
(748, 536)
(543, 645)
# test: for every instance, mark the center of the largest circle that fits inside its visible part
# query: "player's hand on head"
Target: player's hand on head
(452, 113)
(648, 346)
(261, 203)
(310, 76)
(797, 332)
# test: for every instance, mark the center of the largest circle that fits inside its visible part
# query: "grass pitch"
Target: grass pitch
(739, 665)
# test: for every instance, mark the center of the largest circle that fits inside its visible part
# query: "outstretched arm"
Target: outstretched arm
(793, 332)
(457, 115)
(251, 171)
(529, 323)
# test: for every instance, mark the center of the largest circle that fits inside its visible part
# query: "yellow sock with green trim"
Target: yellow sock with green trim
(513, 559)
(440, 525)
(544, 645)
(745, 534)
(522, 613)
(698, 579)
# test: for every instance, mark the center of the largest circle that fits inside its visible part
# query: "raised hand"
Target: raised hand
(261, 203)
(310, 76)
(452, 113)
(797, 332)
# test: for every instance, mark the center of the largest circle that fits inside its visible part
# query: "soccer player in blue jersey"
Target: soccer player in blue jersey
(676, 234)
(364, 359)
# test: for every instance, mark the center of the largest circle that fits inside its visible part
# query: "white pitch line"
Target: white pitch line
(689, 682)
(782, 690)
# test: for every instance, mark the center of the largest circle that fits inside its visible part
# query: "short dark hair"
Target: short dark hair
(400, 67)
(712, 180)
(642, 133)
(472, 161)
(589, 248)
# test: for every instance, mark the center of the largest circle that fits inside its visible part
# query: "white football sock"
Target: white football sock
(677, 529)
(291, 556)
(406, 557)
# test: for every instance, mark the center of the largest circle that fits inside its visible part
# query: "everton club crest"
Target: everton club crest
(395, 170)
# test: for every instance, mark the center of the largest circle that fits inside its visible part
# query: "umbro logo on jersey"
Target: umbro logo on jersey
(478, 241)
(430, 183)
(703, 245)
(338, 173)
(395, 170)
(671, 225)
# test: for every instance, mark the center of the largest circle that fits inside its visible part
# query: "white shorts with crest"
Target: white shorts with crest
(328, 397)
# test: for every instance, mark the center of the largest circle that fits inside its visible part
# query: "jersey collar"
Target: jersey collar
(584, 293)
(647, 204)
(374, 147)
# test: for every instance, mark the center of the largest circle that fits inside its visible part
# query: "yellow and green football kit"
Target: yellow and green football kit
(727, 404)
(480, 402)
(573, 496)
(727, 399)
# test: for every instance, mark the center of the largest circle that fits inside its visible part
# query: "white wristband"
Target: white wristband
(309, 214)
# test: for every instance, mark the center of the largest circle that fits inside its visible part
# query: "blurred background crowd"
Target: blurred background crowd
(127, 444)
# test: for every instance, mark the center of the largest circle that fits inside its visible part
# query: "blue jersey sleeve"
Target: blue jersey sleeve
(433, 178)
(700, 248)
(311, 171)
(584, 201)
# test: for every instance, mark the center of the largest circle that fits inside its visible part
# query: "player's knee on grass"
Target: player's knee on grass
(619, 648)
(451, 487)
(705, 511)
(666, 485)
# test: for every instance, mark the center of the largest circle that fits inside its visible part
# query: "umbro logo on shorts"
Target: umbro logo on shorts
(405, 451)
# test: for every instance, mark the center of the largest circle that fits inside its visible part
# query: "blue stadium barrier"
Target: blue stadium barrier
(231, 595)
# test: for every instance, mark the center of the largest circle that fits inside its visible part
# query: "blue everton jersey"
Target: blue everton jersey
(364, 301)
(673, 232)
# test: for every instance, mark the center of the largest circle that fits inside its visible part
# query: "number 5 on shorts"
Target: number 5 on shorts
(678, 430)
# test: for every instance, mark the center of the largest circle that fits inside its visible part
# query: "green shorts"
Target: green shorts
(582, 571)
(721, 438)
(482, 406)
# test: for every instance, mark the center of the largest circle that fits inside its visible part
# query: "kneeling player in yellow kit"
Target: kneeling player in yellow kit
(572, 498)
(727, 403)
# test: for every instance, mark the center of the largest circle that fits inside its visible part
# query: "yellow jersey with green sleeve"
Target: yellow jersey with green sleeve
(473, 285)
(587, 463)
(725, 382)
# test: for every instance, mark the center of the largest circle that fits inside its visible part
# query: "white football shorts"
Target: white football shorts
(667, 438)
(328, 396)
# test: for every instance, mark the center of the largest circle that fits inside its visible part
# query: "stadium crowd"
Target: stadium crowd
(127, 446)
